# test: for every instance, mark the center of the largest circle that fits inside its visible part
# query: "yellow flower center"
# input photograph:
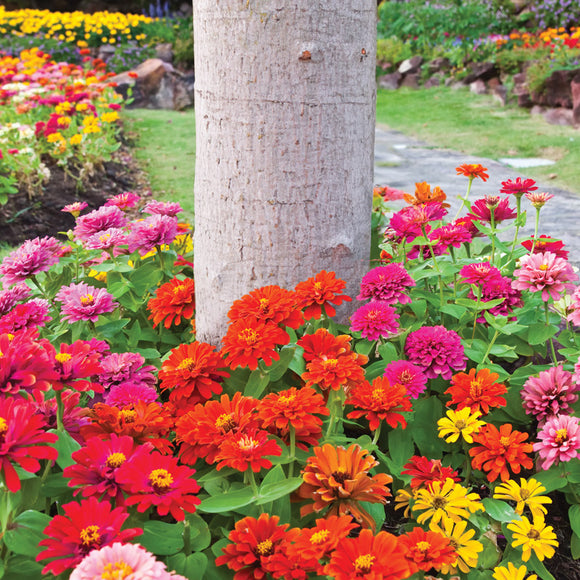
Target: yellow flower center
(318, 286)
(116, 571)
(62, 357)
(543, 267)
(3, 426)
(264, 548)
(533, 534)
(405, 378)
(286, 399)
(179, 288)
(160, 480)
(364, 563)
(561, 436)
(475, 389)
(116, 460)
(461, 424)
(87, 299)
(248, 335)
(247, 443)
(186, 364)
(378, 394)
(319, 537)
(525, 494)
(90, 535)
(225, 422)
(128, 415)
(423, 546)
(264, 304)
(330, 363)
(505, 441)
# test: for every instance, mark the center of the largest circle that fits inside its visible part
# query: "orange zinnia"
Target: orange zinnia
(270, 304)
(473, 170)
(423, 194)
(379, 401)
(250, 448)
(320, 292)
(202, 430)
(248, 340)
(337, 479)
(192, 373)
(498, 449)
(426, 550)
(173, 300)
(335, 373)
(477, 390)
(325, 343)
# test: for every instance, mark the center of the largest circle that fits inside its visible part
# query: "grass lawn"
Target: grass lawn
(165, 149)
(478, 125)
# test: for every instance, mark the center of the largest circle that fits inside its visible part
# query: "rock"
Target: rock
(434, 81)
(493, 83)
(537, 110)
(499, 94)
(410, 65)
(575, 88)
(524, 100)
(559, 116)
(391, 81)
(478, 87)
(157, 86)
(411, 81)
(438, 64)
(557, 89)
(105, 52)
(481, 70)
(164, 52)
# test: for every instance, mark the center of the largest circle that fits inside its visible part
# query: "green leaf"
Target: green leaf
(200, 536)
(375, 370)
(574, 516)
(192, 566)
(388, 352)
(20, 568)
(275, 490)
(490, 555)
(539, 333)
(145, 277)
(162, 538)
(401, 446)
(65, 446)
(575, 546)
(25, 532)
(278, 368)
(499, 510)
(256, 384)
(376, 510)
(297, 363)
(551, 479)
(539, 568)
(111, 329)
(227, 502)
(117, 284)
(424, 428)
(453, 310)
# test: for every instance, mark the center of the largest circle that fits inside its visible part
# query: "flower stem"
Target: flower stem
(252, 481)
(554, 359)
(536, 226)
(478, 293)
(186, 535)
(435, 264)
(377, 434)
(489, 346)
(292, 451)
(492, 219)
(518, 211)
(335, 406)
(464, 199)
(59, 411)
(467, 466)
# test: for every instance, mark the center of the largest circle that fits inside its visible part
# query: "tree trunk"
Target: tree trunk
(285, 109)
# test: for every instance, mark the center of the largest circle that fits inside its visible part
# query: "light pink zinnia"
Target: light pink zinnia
(99, 220)
(75, 208)
(12, 296)
(478, 273)
(109, 238)
(124, 367)
(129, 561)
(386, 283)
(407, 374)
(550, 393)
(375, 320)
(559, 441)
(32, 257)
(155, 230)
(574, 316)
(84, 302)
(545, 273)
(170, 208)
(436, 351)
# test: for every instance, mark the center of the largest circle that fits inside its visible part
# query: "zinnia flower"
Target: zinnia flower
(436, 351)
(84, 527)
(538, 199)
(476, 390)
(473, 170)
(107, 239)
(559, 440)
(123, 201)
(427, 549)
(518, 187)
(32, 314)
(450, 235)
(155, 230)
(247, 449)
(375, 320)
(525, 494)
(321, 293)
(388, 284)
(123, 367)
(425, 471)
(534, 536)
(512, 573)
(11, 296)
(75, 208)
(118, 560)
(462, 423)
(478, 273)
(84, 302)
(498, 287)
(423, 194)
(99, 220)
(129, 393)
(337, 479)
(546, 244)
(76, 364)
(170, 208)
(545, 273)
(549, 394)
(482, 209)
(193, 374)
(407, 374)
(379, 401)
(465, 547)
(499, 449)
(172, 301)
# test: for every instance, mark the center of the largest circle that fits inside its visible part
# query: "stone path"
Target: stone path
(401, 161)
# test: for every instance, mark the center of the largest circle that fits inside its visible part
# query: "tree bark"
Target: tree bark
(285, 109)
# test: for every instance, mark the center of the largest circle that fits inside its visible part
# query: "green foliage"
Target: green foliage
(392, 50)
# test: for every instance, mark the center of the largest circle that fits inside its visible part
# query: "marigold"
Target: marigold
(461, 423)
(173, 300)
(381, 400)
(338, 479)
(499, 448)
(461, 540)
(320, 293)
(192, 373)
(425, 471)
(427, 549)
(473, 170)
(534, 536)
(248, 449)
(526, 494)
(476, 390)
(250, 340)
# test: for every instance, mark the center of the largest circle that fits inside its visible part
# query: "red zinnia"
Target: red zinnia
(250, 448)
(192, 373)
(86, 526)
(477, 390)
(546, 244)
(473, 170)
(425, 471)
(75, 364)
(22, 439)
(248, 340)
(481, 211)
(518, 187)
(157, 480)
(426, 550)
(498, 449)
(173, 300)
(321, 292)
(379, 401)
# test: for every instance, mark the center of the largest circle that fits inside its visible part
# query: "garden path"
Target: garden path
(401, 161)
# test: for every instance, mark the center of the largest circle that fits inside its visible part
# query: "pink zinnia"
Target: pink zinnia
(32, 257)
(76, 364)
(479, 273)
(170, 208)
(545, 273)
(518, 187)
(123, 367)
(481, 210)
(75, 208)
(375, 320)
(539, 199)
(436, 351)
(450, 235)
(117, 560)
(84, 302)
(123, 201)
(388, 284)
(404, 373)
(559, 441)
(155, 230)
(129, 394)
(12, 296)
(99, 220)
(499, 288)
(109, 238)
(551, 393)
(574, 315)
(32, 314)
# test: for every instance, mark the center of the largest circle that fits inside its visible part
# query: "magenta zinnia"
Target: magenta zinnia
(99, 220)
(375, 320)
(84, 302)
(388, 283)
(407, 374)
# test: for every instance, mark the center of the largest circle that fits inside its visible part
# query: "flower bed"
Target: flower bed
(436, 433)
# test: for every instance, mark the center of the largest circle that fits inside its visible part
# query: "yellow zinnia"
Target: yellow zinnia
(535, 536)
(526, 494)
(466, 548)
(512, 573)
(447, 500)
(462, 423)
